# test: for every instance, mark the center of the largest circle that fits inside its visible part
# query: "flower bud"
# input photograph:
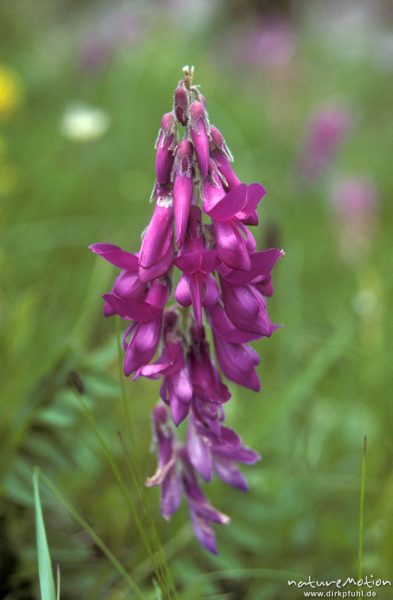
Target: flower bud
(166, 142)
(199, 129)
(182, 188)
(180, 103)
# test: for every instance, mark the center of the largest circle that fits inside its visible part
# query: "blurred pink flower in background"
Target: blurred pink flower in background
(268, 44)
(355, 203)
(115, 30)
(326, 131)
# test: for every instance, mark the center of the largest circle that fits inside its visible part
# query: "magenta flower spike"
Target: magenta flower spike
(223, 284)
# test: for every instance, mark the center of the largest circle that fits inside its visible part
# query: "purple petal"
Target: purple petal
(226, 170)
(182, 292)
(229, 473)
(199, 453)
(203, 532)
(231, 247)
(171, 493)
(179, 410)
(230, 204)
(262, 264)
(199, 135)
(182, 194)
(143, 345)
(246, 308)
(255, 193)
(180, 103)
(237, 362)
(165, 145)
(160, 268)
(116, 256)
(197, 287)
(212, 293)
(224, 327)
(136, 311)
(158, 237)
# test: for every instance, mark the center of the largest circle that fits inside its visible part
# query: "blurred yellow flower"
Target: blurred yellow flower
(10, 92)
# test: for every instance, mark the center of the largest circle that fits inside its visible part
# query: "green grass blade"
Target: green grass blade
(361, 509)
(57, 582)
(95, 537)
(45, 572)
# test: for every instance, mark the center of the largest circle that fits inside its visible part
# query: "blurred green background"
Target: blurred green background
(83, 86)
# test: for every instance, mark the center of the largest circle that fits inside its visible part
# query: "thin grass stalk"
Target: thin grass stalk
(119, 478)
(361, 509)
(150, 527)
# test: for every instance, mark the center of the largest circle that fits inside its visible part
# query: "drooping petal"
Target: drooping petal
(237, 362)
(171, 493)
(199, 453)
(230, 474)
(254, 194)
(246, 308)
(116, 256)
(231, 246)
(179, 410)
(262, 264)
(143, 345)
(224, 327)
(230, 204)
(136, 311)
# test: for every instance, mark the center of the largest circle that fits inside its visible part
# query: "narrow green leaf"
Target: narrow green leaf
(45, 572)
(361, 509)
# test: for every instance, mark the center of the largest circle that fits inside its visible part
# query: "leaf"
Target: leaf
(45, 573)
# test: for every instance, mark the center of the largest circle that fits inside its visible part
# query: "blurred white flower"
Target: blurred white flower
(81, 123)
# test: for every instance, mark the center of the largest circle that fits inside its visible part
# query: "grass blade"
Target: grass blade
(361, 509)
(45, 572)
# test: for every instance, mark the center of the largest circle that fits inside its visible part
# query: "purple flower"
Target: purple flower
(325, 134)
(355, 203)
(223, 278)
(269, 44)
